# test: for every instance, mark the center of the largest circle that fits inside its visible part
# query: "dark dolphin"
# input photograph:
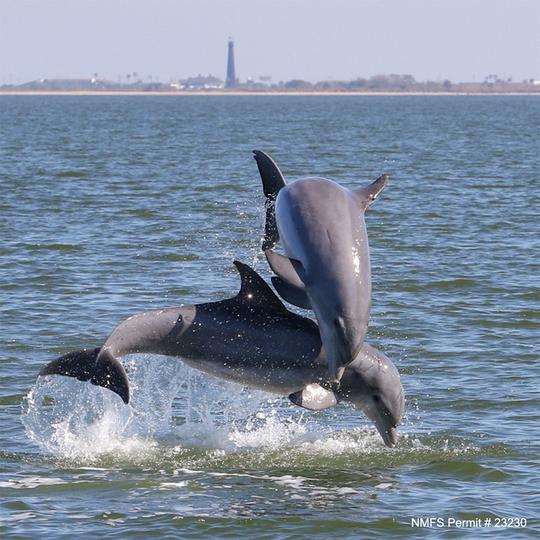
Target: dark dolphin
(326, 268)
(251, 339)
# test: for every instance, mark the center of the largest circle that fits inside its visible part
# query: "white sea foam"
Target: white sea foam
(173, 485)
(31, 482)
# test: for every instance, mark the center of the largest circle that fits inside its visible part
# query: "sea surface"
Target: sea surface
(114, 205)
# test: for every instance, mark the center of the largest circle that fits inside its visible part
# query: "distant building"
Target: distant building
(230, 81)
(202, 83)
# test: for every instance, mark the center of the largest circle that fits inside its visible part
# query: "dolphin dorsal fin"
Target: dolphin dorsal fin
(256, 292)
(366, 195)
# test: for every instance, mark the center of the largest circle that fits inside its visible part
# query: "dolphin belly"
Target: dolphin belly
(324, 235)
(279, 381)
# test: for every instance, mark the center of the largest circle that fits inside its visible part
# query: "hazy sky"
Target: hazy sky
(462, 40)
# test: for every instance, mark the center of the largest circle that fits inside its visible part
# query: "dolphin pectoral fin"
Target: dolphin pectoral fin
(273, 181)
(84, 365)
(314, 397)
(289, 270)
(289, 282)
(294, 295)
(366, 195)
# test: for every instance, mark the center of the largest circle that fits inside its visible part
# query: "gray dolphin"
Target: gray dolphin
(326, 268)
(250, 339)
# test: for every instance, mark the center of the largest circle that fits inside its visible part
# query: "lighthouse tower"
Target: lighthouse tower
(230, 81)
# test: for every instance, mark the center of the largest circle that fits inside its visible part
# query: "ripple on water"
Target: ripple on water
(102, 211)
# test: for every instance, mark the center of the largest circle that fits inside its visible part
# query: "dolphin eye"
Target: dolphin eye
(338, 323)
(376, 398)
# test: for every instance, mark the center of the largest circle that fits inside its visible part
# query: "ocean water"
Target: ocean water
(114, 205)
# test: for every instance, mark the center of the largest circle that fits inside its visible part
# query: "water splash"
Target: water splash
(77, 420)
(177, 412)
(71, 419)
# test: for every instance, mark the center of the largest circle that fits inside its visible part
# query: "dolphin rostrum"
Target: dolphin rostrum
(326, 264)
(251, 339)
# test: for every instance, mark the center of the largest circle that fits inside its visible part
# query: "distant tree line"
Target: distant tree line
(407, 83)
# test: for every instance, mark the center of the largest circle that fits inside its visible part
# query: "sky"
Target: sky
(460, 40)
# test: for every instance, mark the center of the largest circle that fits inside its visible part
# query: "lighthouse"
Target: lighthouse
(230, 81)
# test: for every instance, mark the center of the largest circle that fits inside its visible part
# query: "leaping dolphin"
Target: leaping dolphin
(326, 267)
(250, 339)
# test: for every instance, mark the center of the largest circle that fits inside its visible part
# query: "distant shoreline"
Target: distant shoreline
(243, 93)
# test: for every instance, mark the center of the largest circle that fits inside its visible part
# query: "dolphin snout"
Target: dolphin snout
(377, 412)
(390, 436)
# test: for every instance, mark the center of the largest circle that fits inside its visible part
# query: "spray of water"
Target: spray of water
(169, 401)
(175, 409)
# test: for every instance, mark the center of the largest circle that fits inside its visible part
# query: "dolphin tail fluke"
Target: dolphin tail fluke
(78, 364)
(271, 176)
(84, 365)
(366, 195)
(273, 181)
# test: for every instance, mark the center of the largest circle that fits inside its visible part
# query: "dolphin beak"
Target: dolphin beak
(386, 429)
(389, 436)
